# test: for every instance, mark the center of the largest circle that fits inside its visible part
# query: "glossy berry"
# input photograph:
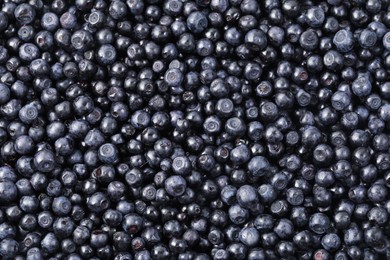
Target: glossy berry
(197, 22)
(206, 129)
(343, 40)
(24, 13)
(175, 185)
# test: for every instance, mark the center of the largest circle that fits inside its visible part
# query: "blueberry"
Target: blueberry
(8, 191)
(353, 236)
(24, 13)
(384, 112)
(175, 185)
(181, 165)
(61, 206)
(279, 181)
(247, 196)
(106, 54)
(34, 253)
(361, 86)
(228, 194)
(319, 223)
(26, 33)
(108, 153)
(80, 39)
(140, 119)
(284, 228)
(9, 248)
(309, 40)
(212, 125)
(219, 6)
(197, 22)
(44, 160)
(340, 100)
(50, 243)
(258, 166)
(267, 193)
(256, 253)
(50, 21)
(256, 39)
(237, 214)
(235, 126)
(132, 223)
(323, 154)
(249, 236)
(331, 241)
(28, 52)
(367, 38)
(117, 10)
(4, 21)
(294, 196)
(173, 77)
(240, 155)
(7, 231)
(98, 202)
(386, 41)
(315, 16)
(233, 36)
(377, 193)
(378, 215)
(68, 20)
(343, 40)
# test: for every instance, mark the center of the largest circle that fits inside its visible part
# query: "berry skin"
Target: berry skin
(68, 20)
(315, 16)
(249, 236)
(247, 196)
(108, 153)
(28, 52)
(8, 248)
(173, 77)
(197, 22)
(367, 38)
(319, 223)
(106, 54)
(44, 160)
(237, 214)
(8, 192)
(24, 13)
(258, 166)
(256, 39)
(175, 185)
(343, 40)
(386, 41)
(361, 86)
(206, 129)
(61, 206)
(50, 21)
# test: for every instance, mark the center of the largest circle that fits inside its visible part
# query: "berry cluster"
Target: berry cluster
(194, 129)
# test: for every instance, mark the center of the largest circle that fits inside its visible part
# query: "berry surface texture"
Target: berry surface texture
(194, 129)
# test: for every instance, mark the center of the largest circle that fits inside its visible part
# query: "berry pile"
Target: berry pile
(194, 129)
